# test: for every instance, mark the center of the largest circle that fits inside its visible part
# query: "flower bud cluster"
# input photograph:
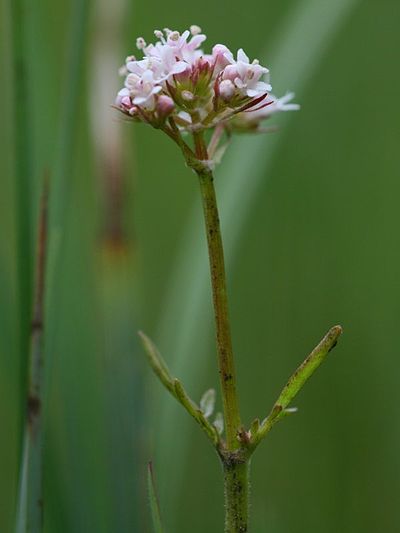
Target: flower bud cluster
(176, 78)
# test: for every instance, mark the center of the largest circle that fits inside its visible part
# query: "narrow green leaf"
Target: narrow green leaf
(298, 379)
(64, 160)
(153, 500)
(23, 173)
(308, 367)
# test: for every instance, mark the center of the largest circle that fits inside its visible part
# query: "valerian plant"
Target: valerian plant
(200, 100)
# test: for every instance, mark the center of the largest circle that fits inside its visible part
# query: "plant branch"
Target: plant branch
(176, 388)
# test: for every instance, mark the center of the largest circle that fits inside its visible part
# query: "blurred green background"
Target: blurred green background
(310, 216)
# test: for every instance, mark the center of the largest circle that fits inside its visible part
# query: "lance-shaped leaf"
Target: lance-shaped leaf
(176, 388)
(296, 382)
(153, 499)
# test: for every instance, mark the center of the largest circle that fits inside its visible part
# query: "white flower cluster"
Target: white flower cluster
(176, 78)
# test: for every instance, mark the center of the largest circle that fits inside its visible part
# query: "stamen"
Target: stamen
(195, 30)
(140, 43)
(174, 35)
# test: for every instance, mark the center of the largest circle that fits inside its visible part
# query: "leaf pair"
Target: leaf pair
(258, 430)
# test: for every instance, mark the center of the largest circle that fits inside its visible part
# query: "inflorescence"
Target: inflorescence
(176, 80)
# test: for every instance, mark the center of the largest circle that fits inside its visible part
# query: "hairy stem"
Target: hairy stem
(236, 485)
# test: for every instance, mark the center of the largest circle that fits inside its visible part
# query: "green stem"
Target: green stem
(235, 461)
(218, 281)
(236, 484)
(235, 468)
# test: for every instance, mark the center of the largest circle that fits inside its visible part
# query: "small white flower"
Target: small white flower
(123, 98)
(245, 75)
(281, 104)
(142, 89)
(220, 58)
(163, 61)
(273, 105)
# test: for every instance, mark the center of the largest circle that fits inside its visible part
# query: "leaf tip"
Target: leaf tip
(333, 335)
(337, 330)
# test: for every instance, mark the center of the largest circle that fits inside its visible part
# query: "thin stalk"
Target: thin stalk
(30, 509)
(218, 281)
(235, 462)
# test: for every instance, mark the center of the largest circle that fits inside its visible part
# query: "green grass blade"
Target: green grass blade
(30, 510)
(68, 123)
(153, 500)
(314, 24)
(23, 172)
(59, 200)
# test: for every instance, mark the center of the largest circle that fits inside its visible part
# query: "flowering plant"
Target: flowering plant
(177, 88)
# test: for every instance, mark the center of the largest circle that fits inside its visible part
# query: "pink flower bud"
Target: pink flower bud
(165, 106)
(226, 90)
